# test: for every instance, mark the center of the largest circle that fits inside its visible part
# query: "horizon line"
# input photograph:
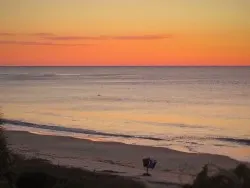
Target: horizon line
(124, 65)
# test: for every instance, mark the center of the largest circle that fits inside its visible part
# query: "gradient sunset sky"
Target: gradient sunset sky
(125, 32)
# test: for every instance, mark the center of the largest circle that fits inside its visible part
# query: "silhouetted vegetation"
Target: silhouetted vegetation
(39, 173)
(235, 178)
(6, 161)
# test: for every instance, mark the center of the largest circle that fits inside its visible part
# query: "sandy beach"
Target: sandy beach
(173, 167)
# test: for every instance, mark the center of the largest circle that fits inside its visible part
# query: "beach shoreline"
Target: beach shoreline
(235, 148)
(172, 167)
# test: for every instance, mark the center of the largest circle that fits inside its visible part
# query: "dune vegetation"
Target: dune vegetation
(212, 176)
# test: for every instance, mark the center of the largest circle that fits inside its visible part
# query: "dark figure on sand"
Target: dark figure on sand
(148, 163)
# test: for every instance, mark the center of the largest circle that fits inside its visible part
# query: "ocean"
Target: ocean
(190, 109)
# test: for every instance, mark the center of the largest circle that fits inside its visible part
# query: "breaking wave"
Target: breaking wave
(74, 130)
(184, 139)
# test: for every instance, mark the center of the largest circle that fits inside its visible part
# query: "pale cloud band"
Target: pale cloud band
(101, 37)
(52, 36)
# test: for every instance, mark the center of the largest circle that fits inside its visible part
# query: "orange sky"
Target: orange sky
(124, 32)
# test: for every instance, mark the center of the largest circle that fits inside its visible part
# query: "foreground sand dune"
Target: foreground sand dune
(173, 167)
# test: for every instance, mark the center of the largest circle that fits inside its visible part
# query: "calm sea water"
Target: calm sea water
(191, 109)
